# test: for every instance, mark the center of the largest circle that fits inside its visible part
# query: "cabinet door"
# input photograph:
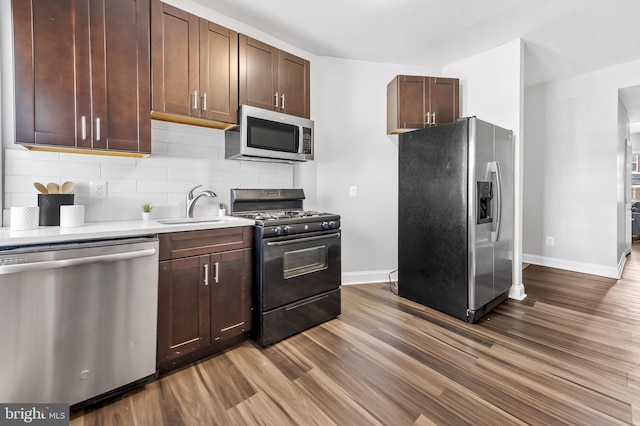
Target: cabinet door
(183, 307)
(120, 75)
(230, 294)
(293, 85)
(174, 67)
(412, 92)
(443, 100)
(79, 81)
(51, 48)
(218, 72)
(258, 70)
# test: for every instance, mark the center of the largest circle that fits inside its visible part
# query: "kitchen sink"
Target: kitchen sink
(187, 220)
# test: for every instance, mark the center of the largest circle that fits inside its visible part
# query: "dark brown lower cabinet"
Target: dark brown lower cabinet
(184, 324)
(204, 300)
(230, 294)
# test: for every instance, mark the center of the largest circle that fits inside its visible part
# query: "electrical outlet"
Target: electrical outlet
(353, 191)
(98, 189)
(550, 241)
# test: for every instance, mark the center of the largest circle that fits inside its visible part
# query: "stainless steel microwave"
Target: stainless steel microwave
(265, 135)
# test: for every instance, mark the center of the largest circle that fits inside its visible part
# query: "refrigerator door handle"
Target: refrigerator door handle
(494, 167)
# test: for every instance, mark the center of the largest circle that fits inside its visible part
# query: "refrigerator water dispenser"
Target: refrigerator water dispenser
(485, 197)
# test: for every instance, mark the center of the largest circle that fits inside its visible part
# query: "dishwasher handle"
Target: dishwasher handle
(66, 263)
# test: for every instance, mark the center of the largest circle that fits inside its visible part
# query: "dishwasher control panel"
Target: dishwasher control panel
(13, 260)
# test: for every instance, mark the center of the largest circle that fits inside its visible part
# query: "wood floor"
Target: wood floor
(568, 354)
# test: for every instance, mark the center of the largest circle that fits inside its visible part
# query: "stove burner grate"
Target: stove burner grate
(292, 214)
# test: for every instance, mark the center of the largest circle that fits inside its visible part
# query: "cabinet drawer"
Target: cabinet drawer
(177, 245)
(290, 319)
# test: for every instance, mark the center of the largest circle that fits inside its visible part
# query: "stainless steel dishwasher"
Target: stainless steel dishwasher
(78, 319)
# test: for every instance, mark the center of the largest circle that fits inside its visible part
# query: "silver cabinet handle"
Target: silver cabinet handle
(204, 102)
(433, 121)
(282, 106)
(66, 263)
(276, 105)
(429, 117)
(195, 100)
(215, 271)
(206, 274)
(97, 129)
(83, 120)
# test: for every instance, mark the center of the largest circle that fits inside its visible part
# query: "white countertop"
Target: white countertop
(107, 230)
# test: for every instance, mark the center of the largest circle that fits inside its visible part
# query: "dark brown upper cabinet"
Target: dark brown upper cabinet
(415, 102)
(82, 75)
(273, 79)
(194, 68)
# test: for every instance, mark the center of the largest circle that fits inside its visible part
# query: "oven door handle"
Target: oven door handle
(302, 240)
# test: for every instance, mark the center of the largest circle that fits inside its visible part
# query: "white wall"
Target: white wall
(572, 175)
(491, 85)
(492, 89)
(349, 100)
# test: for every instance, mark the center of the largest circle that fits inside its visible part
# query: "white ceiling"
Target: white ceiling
(563, 38)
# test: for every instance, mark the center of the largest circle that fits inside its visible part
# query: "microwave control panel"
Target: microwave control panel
(307, 141)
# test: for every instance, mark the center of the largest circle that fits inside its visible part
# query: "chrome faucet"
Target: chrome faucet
(191, 199)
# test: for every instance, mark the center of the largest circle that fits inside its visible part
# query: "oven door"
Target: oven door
(296, 267)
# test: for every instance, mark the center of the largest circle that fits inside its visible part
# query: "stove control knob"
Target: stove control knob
(325, 225)
(277, 230)
(332, 224)
(287, 229)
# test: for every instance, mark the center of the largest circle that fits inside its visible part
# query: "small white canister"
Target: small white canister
(24, 218)
(71, 216)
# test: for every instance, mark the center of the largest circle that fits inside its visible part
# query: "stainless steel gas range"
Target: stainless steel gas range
(297, 273)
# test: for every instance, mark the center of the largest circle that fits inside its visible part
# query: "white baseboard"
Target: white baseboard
(622, 262)
(367, 277)
(370, 277)
(569, 265)
(516, 292)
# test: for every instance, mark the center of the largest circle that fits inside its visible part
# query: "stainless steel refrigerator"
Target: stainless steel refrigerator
(455, 218)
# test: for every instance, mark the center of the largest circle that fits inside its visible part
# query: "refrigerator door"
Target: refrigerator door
(432, 231)
(490, 215)
(503, 247)
(482, 190)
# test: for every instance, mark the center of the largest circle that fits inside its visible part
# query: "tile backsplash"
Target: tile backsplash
(181, 157)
